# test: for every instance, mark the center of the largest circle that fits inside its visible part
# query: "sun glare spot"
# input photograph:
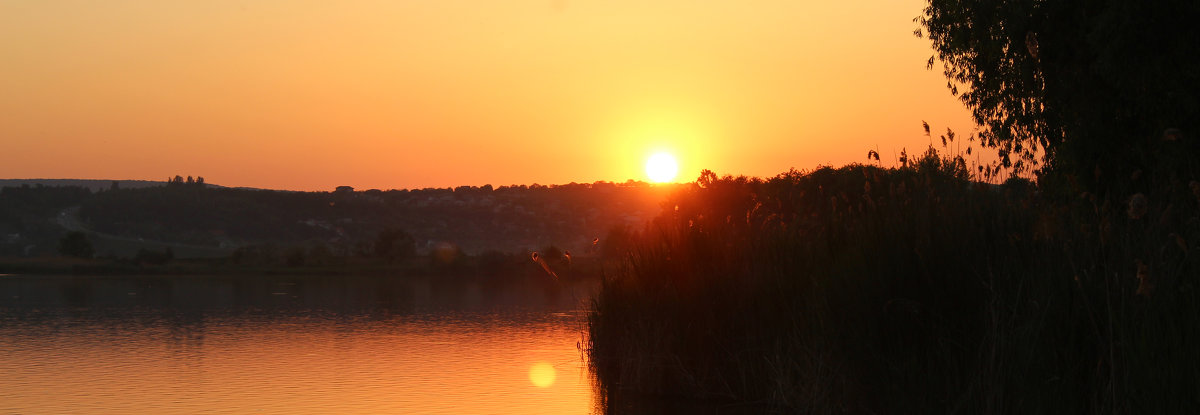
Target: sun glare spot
(542, 374)
(661, 168)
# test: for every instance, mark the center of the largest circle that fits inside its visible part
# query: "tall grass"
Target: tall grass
(907, 290)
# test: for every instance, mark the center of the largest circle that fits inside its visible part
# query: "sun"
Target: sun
(661, 167)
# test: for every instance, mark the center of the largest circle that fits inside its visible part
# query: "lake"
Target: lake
(291, 345)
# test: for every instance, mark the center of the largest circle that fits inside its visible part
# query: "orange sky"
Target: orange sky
(308, 95)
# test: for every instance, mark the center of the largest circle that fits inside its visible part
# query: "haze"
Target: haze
(308, 95)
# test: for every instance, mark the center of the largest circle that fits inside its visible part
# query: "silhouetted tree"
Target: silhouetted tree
(145, 256)
(1094, 83)
(76, 244)
(394, 244)
(447, 257)
(617, 242)
(294, 256)
(265, 254)
(320, 254)
(707, 178)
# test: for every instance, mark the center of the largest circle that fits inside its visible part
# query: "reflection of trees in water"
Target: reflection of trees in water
(76, 293)
(185, 330)
(186, 306)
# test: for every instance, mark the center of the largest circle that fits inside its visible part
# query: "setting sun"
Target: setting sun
(662, 168)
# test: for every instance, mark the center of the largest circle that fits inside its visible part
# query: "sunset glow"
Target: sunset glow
(598, 206)
(309, 95)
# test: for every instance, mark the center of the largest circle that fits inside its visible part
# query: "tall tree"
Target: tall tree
(75, 244)
(1079, 84)
(394, 244)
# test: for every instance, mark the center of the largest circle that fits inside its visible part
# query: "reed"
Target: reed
(907, 290)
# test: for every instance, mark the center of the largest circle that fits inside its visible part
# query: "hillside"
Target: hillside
(94, 185)
(206, 220)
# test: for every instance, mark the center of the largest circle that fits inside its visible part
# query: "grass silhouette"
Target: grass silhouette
(913, 289)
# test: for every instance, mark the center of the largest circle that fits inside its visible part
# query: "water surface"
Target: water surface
(290, 345)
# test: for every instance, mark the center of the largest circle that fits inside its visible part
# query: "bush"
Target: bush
(908, 290)
(76, 244)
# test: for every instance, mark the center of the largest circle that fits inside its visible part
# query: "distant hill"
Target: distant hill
(95, 184)
(89, 184)
(201, 220)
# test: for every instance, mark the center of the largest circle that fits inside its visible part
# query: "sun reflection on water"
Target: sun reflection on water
(427, 350)
(542, 374)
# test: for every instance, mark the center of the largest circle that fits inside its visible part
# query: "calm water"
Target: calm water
(289, 345)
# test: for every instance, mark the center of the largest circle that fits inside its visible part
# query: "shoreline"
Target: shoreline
(468, 268)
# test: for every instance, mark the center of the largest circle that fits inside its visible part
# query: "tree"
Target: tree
(294, 256)
(75, 244)
(394, 244)
(617, 241)
(1076, 84)
(707, 178)
(146, 256)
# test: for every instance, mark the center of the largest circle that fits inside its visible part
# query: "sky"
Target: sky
(310, 95)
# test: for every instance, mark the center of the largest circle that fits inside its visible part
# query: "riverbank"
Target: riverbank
(909, 290)
(487, 266)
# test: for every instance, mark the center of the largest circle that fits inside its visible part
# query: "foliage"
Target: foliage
(320, 255)
(446, 258)
(394, 244)
(616, 241)
(908, 290)
(294, 256)
(179, 181)
(27, 216)
(76, 244)
(145, 256)
(1083, 83)
(476, 218)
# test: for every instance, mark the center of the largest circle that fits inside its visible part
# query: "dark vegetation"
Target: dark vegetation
(90, 184)
(1078, 86)
(932, 287)
(27, 225)
(476, 219)
(908, 290)
(189, 226)
(76, 244)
